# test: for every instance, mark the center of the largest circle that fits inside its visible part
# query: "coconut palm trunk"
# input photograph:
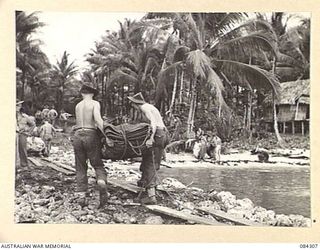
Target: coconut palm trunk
(181, 88)
(190, 122)
(174, 91)
(275, 122)
(275, 119)
(249, 115)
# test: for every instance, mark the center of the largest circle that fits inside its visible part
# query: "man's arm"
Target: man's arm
(53, 131)
(97, 116)
(148, 113)
(31, 123)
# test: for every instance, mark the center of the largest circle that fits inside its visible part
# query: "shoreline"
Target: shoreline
(239, 160)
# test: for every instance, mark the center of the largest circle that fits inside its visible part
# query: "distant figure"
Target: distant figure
(263, 155)
(87, 144)
(44, 112)
(24, 127)
(38, 117)
(47, 132)
(216, 142)
(151, 157)
(200, 148)
(52, 115)
(64, 116)
(199, 133)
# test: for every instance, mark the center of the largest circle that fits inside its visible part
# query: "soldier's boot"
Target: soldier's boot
(150, 199)
(103, 194)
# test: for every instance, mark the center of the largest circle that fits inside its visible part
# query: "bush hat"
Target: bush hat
(87, 87)
(137, 98)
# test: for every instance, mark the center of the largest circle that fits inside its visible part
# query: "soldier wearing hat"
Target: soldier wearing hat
(151, 157)
(24, 127)
(87, 144)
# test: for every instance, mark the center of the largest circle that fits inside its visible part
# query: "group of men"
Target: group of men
(40, 125)
(88, 133)
(46, 114)
(87, 146)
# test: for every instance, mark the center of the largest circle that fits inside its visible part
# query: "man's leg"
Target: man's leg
(45, 147)
(151, 164)
(93, 147)
(23, 150)
(81, 164)
(142, 182)
(49, 146)
(81, 170)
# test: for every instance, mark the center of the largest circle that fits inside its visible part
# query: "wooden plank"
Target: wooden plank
(134, 186)
(59, 164)
(35, 162)
(55, 167)
(223, 215)
(180, 215)
(126, 186)
(131, 187)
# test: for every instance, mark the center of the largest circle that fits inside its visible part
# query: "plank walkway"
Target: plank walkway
(164, 210)
(39, 162)
(35, 162)
(180, 215)
(223, 215)
(60, 164)
(129, 187)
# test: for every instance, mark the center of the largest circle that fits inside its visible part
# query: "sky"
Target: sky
(76, 32)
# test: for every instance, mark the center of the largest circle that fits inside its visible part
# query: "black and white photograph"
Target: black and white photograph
(163, 118)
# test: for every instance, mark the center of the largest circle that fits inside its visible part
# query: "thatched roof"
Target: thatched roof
(293, 91)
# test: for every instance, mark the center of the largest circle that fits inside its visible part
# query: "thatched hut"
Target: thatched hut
(293, 108)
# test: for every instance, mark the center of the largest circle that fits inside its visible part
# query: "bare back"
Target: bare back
(88, 114)
(153, 114)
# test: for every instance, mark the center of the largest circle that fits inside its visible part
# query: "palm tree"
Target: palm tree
(29, 57)
(217, 46)
(293, 52)
(129, 59)
(62, 74)
(292, 56)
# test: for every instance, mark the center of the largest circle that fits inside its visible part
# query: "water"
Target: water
(284, 190)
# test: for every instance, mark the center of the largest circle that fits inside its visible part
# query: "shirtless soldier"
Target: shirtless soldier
(151, 157)
(87, 144)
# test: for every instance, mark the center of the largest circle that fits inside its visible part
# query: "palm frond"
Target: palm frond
(122, 77)
(256, 40)
(221, 23)
(248, 28)
(244, 47)
(199, 63)
(244, 74)
(216, 86)
(287, 60)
